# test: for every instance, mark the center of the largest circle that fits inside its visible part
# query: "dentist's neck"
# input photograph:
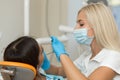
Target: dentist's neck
(95, 48)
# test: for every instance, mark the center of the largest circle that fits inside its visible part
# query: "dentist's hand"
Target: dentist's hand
(46, 63)
(58, 47)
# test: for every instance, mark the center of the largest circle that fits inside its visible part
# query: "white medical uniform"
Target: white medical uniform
(105, 57)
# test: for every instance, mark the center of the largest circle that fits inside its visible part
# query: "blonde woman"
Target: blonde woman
(96, 28)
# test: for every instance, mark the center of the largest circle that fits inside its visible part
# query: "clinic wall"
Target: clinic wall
(46, 16)
(37, 18)
(11, 21)
(73, 8)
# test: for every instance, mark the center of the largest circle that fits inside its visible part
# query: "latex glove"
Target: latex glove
(46, 63)
(58, 47)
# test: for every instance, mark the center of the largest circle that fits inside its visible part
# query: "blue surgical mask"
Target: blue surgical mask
(81, 36)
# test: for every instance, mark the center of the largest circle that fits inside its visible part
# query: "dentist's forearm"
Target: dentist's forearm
(55, 70)
(70, 69)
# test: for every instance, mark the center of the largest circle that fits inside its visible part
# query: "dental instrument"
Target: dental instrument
(47, 40)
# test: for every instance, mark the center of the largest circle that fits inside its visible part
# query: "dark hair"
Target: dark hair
(24, 49)
(96, 1)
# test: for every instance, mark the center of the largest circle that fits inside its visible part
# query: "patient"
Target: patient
(25, 50)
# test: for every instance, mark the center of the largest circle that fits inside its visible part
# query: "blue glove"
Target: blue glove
(58, 47)
(46, 63)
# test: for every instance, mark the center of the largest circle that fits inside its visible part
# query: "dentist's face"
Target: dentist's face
(82, 22)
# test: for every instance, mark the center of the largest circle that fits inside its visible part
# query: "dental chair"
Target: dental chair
(17, 71)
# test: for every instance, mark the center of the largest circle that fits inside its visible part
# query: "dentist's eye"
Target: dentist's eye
(81, 24)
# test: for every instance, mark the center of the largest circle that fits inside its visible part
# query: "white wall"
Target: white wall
(11, 21)
(73, 8)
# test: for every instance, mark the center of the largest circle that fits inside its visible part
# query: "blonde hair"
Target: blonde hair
(101, 20)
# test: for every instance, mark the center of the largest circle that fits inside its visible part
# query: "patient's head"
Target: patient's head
(24, 49)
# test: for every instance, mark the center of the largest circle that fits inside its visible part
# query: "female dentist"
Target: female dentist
(95, 27)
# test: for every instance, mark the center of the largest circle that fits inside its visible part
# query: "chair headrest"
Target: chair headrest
(22, 71)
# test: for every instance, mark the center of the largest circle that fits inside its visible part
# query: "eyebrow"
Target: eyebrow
(79, 20)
